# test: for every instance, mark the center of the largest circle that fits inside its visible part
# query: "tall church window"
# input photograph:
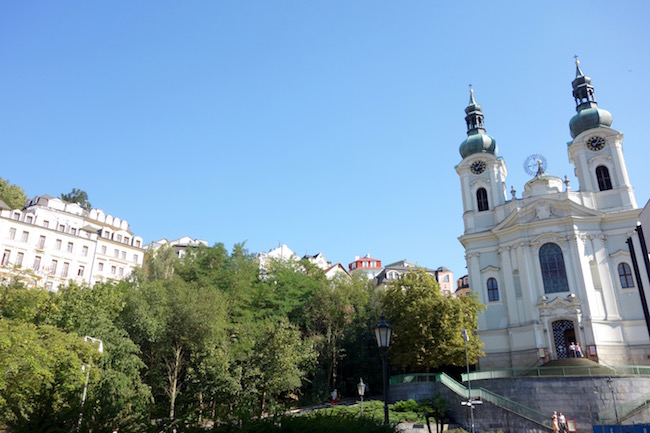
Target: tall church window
(482, 199)
(604, 181)
(492, 289)
(551, 262)
(625, 274)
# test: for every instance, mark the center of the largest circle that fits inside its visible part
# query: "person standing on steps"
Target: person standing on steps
(578, 350)
(562, 423)
(572, 350)
(554, 423)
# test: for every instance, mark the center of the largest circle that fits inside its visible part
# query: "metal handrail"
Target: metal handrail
(561, 371)
(495, 399)
(625, 410)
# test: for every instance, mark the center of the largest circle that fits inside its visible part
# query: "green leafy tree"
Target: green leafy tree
(12, 195)
(427, 325)
(78, 196)
(41, 380)
(118, 394)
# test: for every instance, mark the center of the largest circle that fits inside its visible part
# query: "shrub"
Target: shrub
(318, 422)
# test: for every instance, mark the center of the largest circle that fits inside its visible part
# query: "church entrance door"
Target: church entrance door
(563, 335)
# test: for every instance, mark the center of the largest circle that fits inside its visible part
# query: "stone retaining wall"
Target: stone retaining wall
(582, 399)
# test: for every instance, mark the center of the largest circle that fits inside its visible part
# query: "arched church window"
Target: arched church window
(604, 181)
(482, 199)
(551, 262)
(492, 289)
(625, 274)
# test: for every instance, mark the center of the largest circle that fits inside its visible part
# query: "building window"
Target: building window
(61, 228)
(19, 259)
(84, 251)
(135, 258)
(137, 244)
(69, 249)
(46, 224)
(29, 219)
(57, 245)
(625, 274)
(113, 269)
(482, 200)
(16, 216)
(80, 272)
(127, 240)
(48, 286)
(602, 174)
(493, 290)
(551, 262)
(121, 272)
(116, 253)
(25, 237)
(37, 263)
(103, 249)
(12, 233)
(41, 242)
(73, 231)
(123, 255)
(100, 266)
(118, 238)
(5, 257)
(64, 270)
(53, 267)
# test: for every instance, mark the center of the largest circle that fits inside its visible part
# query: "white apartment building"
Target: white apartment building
(51, 242)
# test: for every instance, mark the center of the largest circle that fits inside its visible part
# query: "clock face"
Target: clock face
(596, 143)
(478, 167)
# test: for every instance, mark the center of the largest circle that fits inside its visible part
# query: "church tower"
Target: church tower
(482, 172)
(552, 266)
(597, 151)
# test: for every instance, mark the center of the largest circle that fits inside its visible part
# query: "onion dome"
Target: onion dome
(477, 140)
(589, 115)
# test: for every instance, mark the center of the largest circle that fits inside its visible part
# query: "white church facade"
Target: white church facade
(553, 266)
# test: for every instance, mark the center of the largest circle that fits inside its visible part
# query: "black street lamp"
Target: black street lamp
(610, 384)
(469, 403)
(382, 334)
(361, 389)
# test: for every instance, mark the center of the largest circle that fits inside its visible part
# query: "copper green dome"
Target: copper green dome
(589, 115)
(477, 140)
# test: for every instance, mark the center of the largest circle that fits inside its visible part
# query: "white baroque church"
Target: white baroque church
(553, 266)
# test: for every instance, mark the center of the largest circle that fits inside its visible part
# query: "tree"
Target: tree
(78, 196)
(41, 380)
(427, 325)
(12, 195)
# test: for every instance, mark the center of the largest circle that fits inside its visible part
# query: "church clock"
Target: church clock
(478, 167)
(596, 143)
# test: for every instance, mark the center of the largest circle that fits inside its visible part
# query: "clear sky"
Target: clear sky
(330, 126)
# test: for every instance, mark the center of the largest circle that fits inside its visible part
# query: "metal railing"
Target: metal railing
(561, 371)
(625, 410)
(495, 399)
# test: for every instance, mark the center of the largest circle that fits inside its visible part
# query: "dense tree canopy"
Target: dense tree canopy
(78, 196)
(12, 195)
(210, 337)
(427, 325)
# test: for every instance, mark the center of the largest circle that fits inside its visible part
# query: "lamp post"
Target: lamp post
(610, 384)
(87, 368)
(382, 334)
(469, 382)
(361, 389)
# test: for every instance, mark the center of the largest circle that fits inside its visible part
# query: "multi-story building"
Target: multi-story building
(331, 270)
(180, 245)
(395, 271)
(365, 265)
(462, 286)
(553, 266)
(51, 242)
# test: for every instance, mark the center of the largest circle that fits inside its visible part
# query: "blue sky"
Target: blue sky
(330, 126)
